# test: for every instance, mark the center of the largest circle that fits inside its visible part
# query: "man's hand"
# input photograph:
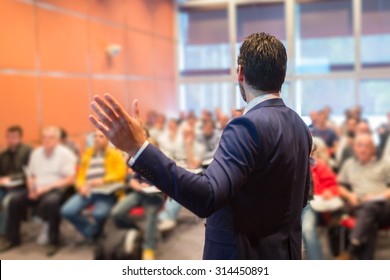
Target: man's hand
(96, 182)
(32, 195)
(353, 200)
(327, 194)
(5, 180)
(124, 131)
(84, 191)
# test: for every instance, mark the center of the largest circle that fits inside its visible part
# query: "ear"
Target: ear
(240, 74)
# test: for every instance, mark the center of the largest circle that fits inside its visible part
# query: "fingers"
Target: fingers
(102, 117)
(99, 125)
(116, 107)
(135, 110)
(105, 108)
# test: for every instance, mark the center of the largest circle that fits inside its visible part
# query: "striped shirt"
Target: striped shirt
(96, 168)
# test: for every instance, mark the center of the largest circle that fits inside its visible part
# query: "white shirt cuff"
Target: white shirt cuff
(132, 160)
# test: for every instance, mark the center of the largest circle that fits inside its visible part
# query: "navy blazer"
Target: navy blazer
(253, 192)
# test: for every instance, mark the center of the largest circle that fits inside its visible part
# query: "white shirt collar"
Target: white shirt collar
(259, 99)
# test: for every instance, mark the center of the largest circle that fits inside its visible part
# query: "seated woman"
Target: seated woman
(324, 185)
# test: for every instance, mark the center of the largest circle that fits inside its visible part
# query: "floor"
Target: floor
(184, 243)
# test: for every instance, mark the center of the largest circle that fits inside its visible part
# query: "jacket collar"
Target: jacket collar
(269, 103)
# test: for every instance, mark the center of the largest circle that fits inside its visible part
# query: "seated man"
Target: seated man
(210, 140)
(321, 130)
(51, 170)
(12, 177)
(102, 170)
(151, 201)
(188, 153)
(368, 179)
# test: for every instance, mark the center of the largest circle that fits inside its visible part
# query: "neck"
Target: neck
(253, 93)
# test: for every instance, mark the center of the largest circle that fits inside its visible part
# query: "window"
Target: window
(316, 94)
(375, 33)
(375, 96)
(324, 36)
(267, 17)
(198, 96)
(204, 47)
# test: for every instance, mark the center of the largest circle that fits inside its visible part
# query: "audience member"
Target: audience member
(151, 199)
(101, 173)
(187, 154)
(51, 171)
(364, 181)
(12, 176)
(73, 146)
(209, 140)
(327, 134)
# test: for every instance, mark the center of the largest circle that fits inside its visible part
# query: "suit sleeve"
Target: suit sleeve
(234, 161)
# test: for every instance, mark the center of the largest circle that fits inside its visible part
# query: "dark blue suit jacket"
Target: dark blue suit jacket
(253, 192)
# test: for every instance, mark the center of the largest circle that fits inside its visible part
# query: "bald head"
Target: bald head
(364, 147)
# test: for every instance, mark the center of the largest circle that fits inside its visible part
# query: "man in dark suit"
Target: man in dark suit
(253, 192)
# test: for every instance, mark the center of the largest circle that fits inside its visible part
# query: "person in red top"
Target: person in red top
(324, 180)
(323, 184)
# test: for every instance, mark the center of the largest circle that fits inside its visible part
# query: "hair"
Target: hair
(15, 129)
(264, 61)
(64, 134)
(54, 130)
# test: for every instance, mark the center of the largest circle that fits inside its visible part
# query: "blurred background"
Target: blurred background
(178, 58)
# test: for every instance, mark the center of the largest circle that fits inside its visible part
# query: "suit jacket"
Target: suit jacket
(253, 192)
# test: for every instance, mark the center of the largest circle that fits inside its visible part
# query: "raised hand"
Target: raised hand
(124, 131)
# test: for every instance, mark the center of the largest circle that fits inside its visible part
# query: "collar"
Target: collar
(259, 99)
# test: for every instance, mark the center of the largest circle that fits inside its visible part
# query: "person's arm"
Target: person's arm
(115, 168)
(234, 160)
(24, 158)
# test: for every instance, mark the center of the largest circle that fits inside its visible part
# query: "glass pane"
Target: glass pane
(204, 42)
(316, 94)
(375, 96)
(375, 33)
(324, 36)
(267, 17)
(209, 96)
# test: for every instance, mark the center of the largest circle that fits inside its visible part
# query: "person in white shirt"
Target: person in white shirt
(51, 171)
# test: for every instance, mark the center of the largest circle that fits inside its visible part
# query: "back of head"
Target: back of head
(264, 61)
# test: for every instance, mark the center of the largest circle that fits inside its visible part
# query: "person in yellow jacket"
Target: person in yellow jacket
(101, 173)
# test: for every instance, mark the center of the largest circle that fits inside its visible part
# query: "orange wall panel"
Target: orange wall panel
(18, 45)
(77, 6)
(62, 42)
(100, 37)
(109, 10)
(19, 106)
(140, 15)
(164, 62)
(71, 37)
(65, 103)
(116, 88)
(164, 18)
(140, 52)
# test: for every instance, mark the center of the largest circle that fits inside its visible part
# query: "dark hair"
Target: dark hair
(264, 61)
(15, 128)
(64, 134)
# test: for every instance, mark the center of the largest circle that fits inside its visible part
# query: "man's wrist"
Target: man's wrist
(134, 156)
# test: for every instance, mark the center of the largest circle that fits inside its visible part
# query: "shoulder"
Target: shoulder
(65, 152)
(37, 152)
(348, 164)
(113, 152)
